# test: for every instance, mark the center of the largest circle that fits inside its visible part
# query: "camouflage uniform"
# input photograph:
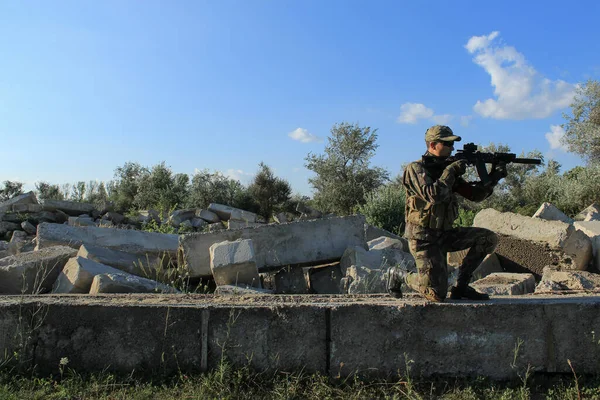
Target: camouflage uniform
(431, 208)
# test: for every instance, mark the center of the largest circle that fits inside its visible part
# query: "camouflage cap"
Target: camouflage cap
(441, 133)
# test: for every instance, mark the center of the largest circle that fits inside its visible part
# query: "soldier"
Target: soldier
(431, 208)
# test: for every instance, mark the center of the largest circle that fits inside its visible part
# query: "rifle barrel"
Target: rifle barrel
(534, 161)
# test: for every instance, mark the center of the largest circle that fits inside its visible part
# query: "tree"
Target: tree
(384, 208)
(46, 191)
(582, 129)
(268, 191)
(127, 184)
(10, 190)
(208, 187)
(343, 176)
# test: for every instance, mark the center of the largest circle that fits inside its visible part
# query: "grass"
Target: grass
(228, 383)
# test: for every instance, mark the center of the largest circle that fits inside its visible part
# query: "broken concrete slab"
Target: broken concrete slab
(146, 266)
(28, 227)
(322, 240)
(554, 280)
(324, 279)
(234, 263)
(198, 223)
(146, 216)
(7, 227)
(127, 240)
(26, 208)
(208, 216)
(506, 284)
(373, 232)
(226, 213)
(591, 213)
(386, 242)
(77, 275)
(114, 217)
(81, 221)
(237, 224)
(288, 280)
(548, 211)
(25, 198)
(383, 254)
(241, 290)
(365, 280)
(72, 208)
(308, 212)
(592, 230)
(558, 235)
(178, 216)
(123, 282)
(33, 272)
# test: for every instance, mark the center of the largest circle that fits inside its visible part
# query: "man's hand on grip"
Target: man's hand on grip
(458, 167)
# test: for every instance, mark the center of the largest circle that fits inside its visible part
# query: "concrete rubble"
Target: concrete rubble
(234, 263)
(122, 282)
(556, 281)
(77, 275)
(549, 212)
(591, 213)
(506, 284)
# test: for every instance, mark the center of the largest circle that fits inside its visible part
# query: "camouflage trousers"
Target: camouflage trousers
(430, 258)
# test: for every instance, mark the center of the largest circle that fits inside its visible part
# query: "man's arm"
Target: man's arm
(480, 191)
(417, 182)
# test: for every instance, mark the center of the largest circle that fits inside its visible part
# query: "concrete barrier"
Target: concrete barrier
(275, 245)
(371, 335)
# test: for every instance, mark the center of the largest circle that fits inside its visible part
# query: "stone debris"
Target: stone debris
(592, 230)
(226, 213)
(290, 280)
(373, 232)
(180, 216)
(234, 263)
(126, 283)
(146, 266)
(591, 213)
(364, 280)
(308, 212)
(555, 280)
(33, 272)
(388, 243)
(238, 224)
(82, 221)
(556, 234)
(72, 208)
(506, 284)
(208, 216)
(114, 217)
(281, 218)
(78, 274)
(324, 279)
(29, 227)
(549, 212)
(25, 198)
(198, 223)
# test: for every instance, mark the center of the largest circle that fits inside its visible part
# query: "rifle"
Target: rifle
(479, 159)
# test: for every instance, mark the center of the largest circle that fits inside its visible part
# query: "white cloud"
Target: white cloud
(238, 174)
(556, 133)
(519, 91)
(465, 120)
(410, 113)
(302, 135)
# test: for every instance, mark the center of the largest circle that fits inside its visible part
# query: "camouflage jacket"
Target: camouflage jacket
(431, 203)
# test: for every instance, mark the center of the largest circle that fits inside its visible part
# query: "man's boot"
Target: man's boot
(467, 292)
(395, 279)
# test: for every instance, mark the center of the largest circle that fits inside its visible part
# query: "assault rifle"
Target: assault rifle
(479, 159)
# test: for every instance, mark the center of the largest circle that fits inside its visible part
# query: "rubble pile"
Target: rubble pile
(70, 247)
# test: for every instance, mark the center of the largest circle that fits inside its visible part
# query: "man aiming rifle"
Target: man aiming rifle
(432, 184)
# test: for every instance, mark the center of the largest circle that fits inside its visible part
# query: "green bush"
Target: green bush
(384, 208)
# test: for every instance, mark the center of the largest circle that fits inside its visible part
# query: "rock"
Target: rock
(72, 208)
(6, 227)
(198, 223)
(47, 216)
(26, 208)
(104, 223)
(208, 216)
(555, 280)
(506, 284)
(3, 245)
(386, 242)
(146, 266)
(15, 218)
(178, 216)
(216, 227)
(129, 241)
(33, 272)
(234, 263)
(290, 280)
(365, 280)
(324, 279)
(280, 218)
(549, 212)
(308, 212)
(25, 198)
(145, 216)
(558, 235)
(372, 232)
(591, 213)
(592, 230)
(226, 213)
(318, 241)
(105, 207)
(28, 227)
(237, 224)
(384, 253)
(489, 265)
(78, 274)
(20, 243)
(114, 217)
(240, 290)
(126, 283)
(18, 236)
(81, 221)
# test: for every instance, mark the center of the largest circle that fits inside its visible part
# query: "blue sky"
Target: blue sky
(86, 86)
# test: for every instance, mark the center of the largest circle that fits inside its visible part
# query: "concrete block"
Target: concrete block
(146, 266)
(72, 208)
(226, 212)
(591, 213)
(234, 263)
(555, 280)
(25, 198)
(198, 223)
(237, 224)
(208, 216)
(290, 280)
(506, 284)
(548, 211)
(26, 208)
(123, 282)
(373, 232)
(178, 216)
(558, 235)
(33, 272)
(592, 230)
(114, 217)
(386, 242)
(323, 240)
(78, 274)
(29, 227)
(489, 265)
(383, 254)
(6, 227)
(145, 216)
(365, 280)
(81, 221)
(308, 212)
(127, 240)
(325, 279)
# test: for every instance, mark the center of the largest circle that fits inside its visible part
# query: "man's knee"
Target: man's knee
(491, 242)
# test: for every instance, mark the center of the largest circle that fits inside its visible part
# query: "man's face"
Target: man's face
(441, 149)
